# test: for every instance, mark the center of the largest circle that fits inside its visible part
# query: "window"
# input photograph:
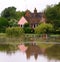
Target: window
(21, 25)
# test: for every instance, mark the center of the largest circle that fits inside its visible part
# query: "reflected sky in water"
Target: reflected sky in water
(34, 53)
(21, 57)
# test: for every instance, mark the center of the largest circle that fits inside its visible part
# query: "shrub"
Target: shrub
(14, 31)
(26, 25)
(44, 28)
(28, 30)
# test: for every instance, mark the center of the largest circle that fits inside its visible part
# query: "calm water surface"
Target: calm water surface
(34, 53)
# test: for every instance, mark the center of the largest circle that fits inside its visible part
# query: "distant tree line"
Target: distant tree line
(9, 18)
(52, 14)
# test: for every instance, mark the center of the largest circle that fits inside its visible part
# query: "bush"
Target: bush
(14, 31)
(26, 25)
(28, 30)
(44, 28)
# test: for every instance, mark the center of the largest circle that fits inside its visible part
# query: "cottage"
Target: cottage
(34, 19)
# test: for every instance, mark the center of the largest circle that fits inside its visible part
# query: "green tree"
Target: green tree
(3, 24)
(19, 14)
(9, 13)
(13, 22)
(52, 14)
(44, 28)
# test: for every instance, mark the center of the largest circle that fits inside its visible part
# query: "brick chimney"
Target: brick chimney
(35, 11)
(27, 13)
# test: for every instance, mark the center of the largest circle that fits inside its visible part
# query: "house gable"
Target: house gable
(22, 21)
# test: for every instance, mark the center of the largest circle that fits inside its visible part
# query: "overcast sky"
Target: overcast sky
(22, 5)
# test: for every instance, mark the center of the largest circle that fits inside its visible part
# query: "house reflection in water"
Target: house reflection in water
(34, 50)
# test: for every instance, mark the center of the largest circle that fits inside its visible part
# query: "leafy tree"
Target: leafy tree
(3, 24)
(12, 15)
(53, 15)
(19, 14)
(13, 22)
(9, 13)
(44, 28)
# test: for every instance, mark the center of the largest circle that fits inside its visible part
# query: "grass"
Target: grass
(55, 35)
(27, 38)
(2, 34)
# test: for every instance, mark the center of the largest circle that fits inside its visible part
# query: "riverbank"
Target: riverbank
(28, 38)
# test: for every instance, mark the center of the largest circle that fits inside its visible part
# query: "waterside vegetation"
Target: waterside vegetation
(9, 27)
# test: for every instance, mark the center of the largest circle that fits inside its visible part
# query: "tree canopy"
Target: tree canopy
(19, 14)
(53, 15)
(9, 13)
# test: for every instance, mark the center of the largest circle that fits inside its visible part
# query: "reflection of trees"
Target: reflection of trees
(33, 50)
(9, 49)
(53, 52)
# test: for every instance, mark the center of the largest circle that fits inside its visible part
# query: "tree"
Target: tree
(19, 14)
(13, 22)
(52, 14)
(44, 28)
(9, 13)
(3, 24)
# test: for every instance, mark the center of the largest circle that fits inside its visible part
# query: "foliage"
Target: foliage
(43, 28)
(26, 25)
(12, 15)
(53, 15)
(27, 28)
(13, 22)
(14, 31)
(3, 24)
(19, 14)
(9, 13)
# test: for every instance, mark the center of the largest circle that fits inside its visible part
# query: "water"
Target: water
(37, 52)
(34, 53)
(20, 57)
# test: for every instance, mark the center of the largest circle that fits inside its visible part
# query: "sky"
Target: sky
(22, 5)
